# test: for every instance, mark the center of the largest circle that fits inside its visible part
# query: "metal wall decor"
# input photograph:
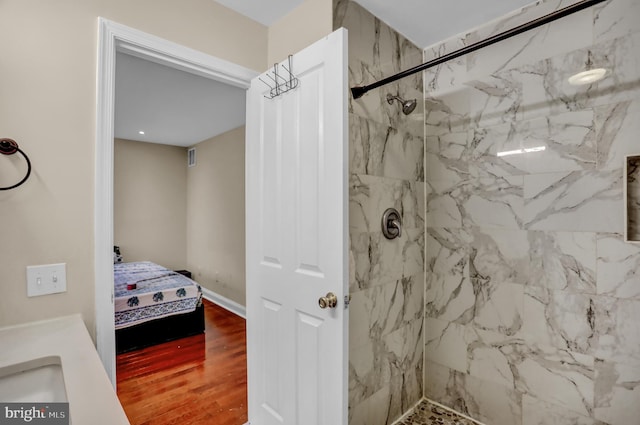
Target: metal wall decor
(281, 84)
(9, 147)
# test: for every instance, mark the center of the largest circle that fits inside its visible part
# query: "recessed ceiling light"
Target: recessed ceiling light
(140, 132)
(587, 77)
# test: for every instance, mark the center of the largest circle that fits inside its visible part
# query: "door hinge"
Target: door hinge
(347, 301)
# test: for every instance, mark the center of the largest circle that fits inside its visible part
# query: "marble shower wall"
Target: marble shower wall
(532, 300)
(387, 277)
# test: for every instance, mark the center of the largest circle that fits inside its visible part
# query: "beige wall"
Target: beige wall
(215, 215)
(48, 104)
(150, 202)
(303, 26)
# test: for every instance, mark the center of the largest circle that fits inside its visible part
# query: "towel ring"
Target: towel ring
(9, 147)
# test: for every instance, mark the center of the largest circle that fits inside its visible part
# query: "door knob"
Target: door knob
(330, 300)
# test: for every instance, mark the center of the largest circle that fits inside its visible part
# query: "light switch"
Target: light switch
(46, 279)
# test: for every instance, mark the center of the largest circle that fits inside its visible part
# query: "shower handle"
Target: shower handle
(391, 224)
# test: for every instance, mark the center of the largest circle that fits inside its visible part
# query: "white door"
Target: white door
(296, 203)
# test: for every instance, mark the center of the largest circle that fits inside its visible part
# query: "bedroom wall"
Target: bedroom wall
(304, 25)
(150, 202)
(47, 104)
(215, 215)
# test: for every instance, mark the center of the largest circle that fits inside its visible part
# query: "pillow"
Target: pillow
(117, 258)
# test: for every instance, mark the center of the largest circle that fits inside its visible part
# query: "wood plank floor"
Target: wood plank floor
(196, 380)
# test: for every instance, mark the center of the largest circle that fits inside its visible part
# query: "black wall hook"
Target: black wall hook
(9, 147)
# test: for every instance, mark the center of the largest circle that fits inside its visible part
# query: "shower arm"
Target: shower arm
(358, 92)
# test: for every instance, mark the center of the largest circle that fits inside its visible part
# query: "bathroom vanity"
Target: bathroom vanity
(56, 361)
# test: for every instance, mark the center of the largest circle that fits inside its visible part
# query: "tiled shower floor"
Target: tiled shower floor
(427, 413)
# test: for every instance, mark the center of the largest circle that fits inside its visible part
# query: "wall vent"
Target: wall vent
(191, 157)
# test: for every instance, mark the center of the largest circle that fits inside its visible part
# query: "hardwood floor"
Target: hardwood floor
(196, 380)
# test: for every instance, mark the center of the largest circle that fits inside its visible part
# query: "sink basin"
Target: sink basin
(39, 380)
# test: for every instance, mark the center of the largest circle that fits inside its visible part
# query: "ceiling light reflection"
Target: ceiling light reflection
(587, 77)
(521, 151)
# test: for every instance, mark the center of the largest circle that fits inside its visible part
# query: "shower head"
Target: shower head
(407, 105)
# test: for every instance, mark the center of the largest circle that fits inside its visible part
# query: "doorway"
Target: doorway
(119, 38)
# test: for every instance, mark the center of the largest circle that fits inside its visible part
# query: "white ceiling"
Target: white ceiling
(172, 107)
(426, 22)
(178, 108)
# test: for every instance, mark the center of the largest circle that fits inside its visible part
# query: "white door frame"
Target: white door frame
(112, 38)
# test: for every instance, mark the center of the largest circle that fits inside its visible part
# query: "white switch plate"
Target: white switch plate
(46, 279)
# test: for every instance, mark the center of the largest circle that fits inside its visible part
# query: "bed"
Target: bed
(154, 304)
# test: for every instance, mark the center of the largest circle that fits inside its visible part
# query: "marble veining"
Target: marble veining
(532, 299)
(386, 164)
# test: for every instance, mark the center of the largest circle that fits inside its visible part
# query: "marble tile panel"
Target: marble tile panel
(447, 343)
(448, 76)
(576, 201)
(498, 308)
(618, 272)
(447, 157)
(538, 412)
(413, 205)
(495, 99)
(377, 260)
(618, 330)
(373, 42)
(563, 142)
(488, 200)
(383, 309)
(447, 113)
(388, 370)
(374, 105)
(571, 33)
(491, 359)
(369, 371)
(546, 89)
(449, 292)
(614, 19)
(530, 369)
(563, 261)
(493, 201)
(617, 393)
(383, 151)
(443, 209)
(405, 349)
(370, 196)
(482, 400)
(413, 253)
(569, 374)
(559, 319)
(500, 256)
(621, 59)
(372, 411)
(617, 133)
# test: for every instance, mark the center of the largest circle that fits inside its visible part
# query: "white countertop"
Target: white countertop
(92, 399)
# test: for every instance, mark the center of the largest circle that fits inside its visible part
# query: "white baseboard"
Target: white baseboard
(224, 302)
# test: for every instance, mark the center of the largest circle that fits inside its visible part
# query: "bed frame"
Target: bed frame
(160, 330)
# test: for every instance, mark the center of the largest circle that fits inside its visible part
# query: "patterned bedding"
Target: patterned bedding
(159, 292)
